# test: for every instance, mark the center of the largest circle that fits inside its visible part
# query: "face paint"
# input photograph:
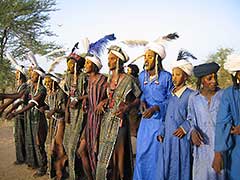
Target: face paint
(178, 77)
(112, 61)
(149, 60)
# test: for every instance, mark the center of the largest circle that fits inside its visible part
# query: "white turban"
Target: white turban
(185, 65)
(116, 50)
(232, 63)
(157, 48)
(95, 60)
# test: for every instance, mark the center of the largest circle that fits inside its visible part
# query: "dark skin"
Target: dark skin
(179, 78)
(209, 89)
(149, 62)
(30, 105)
(217, 164)
(12, 97)
(118, 155)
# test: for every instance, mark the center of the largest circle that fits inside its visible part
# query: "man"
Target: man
(177, 164)
(202, 111)
(19, 100)
(36, 125)
(156, 85)
(227, 124)
(114, 144)
(97, 82)
(56, 101)
(75, 116)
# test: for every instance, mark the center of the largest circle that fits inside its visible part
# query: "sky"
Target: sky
(203, 26)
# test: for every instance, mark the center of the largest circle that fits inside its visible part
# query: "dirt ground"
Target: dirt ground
(9, 171)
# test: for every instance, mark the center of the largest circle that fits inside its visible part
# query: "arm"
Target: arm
(32, 103)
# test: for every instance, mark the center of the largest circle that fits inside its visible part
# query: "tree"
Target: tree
(23, 26)
(224, 78)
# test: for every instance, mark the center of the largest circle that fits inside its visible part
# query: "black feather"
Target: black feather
(171, 36)
(75, 47)
(183, 54)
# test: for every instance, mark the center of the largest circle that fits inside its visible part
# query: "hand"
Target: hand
(11, 115)
(235, 130)
(50, 113)
(122, 109)
(217, 163)
(196, 137)
(150, 111)
(179, 132)
(100, 108)
(143, 106)
(42, 109)
(160, 138)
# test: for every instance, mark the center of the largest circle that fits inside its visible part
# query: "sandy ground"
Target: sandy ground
(9, 171)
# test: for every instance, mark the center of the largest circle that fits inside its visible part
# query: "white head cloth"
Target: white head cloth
(95, 60)
(157, 48)
(185, 65)
(232, 64)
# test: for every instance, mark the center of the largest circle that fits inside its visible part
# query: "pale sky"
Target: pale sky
(203, 26)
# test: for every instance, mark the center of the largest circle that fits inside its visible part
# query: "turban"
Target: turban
(232, 63)
(157, 48)
(95, 60)
(184, 65)
(205, 69)
(116, 50)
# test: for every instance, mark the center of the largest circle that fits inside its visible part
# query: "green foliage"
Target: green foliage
(23, 26)
(224, 78)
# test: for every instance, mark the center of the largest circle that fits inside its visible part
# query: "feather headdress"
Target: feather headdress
(183, 54)
(15, 64)
(56, 61)
(183, 62)
(159, 40)
(32, 59)
(98, 47)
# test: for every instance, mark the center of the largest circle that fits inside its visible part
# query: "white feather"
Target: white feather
(55, 62)
(55, 51)
(135, 42)
(11, 59)
(32, 59)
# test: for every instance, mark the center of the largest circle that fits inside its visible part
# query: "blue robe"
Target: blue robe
(203, 118)
(229, 115)
(177, 151)
(149, 150)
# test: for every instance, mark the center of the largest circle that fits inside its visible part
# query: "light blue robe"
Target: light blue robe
(203, 118)
(149, 150)
(228, 116)
(177, 151)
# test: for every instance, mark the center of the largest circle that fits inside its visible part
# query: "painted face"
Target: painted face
(238, 75)
(48, 83)
(30, 72)
(129, 70)
(34, 76)
(210, 82)
(17, 75)
(112, 61)
(70, 65)
(178, 77)
(149, 60)
(88, 66)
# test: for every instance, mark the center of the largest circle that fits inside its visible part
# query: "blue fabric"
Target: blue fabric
(229, 115)
(202, 117)
(177, 165)
(149, 150)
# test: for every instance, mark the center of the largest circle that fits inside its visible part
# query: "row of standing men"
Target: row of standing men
(183, 134)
